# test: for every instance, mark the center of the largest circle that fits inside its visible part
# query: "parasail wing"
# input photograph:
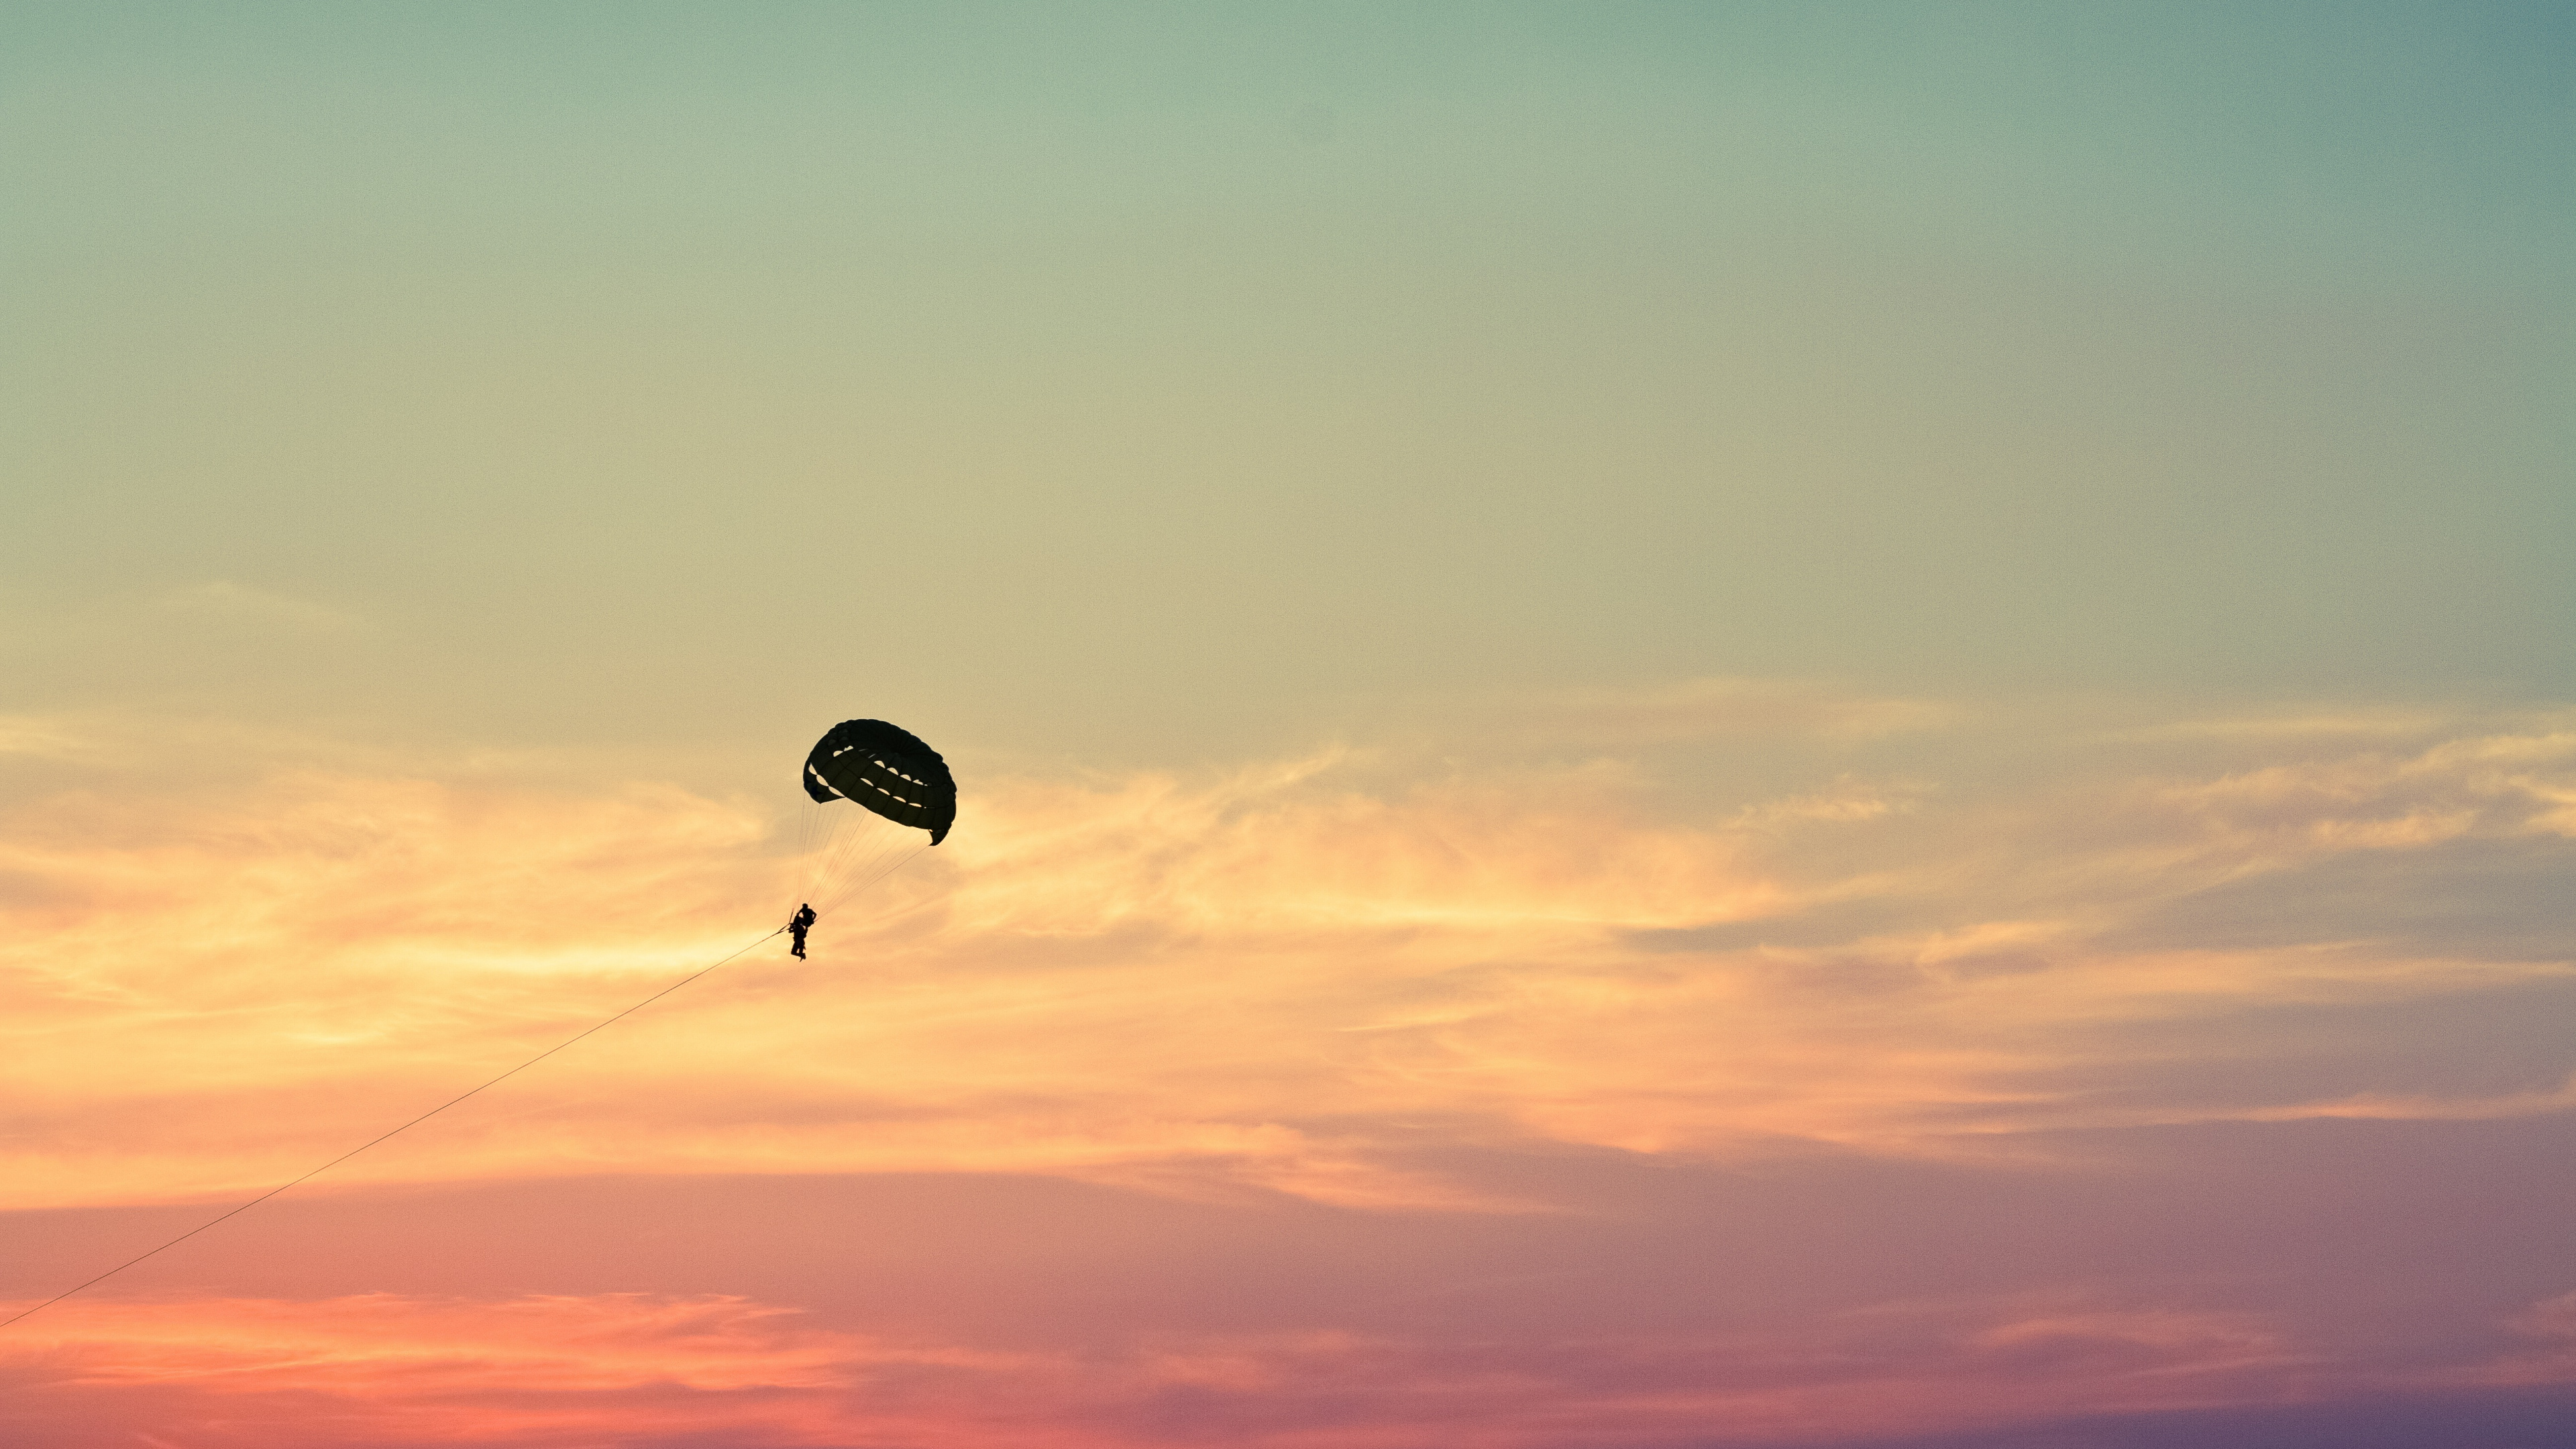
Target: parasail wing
(886, 769)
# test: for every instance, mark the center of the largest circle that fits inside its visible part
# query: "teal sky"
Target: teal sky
(1200, 370)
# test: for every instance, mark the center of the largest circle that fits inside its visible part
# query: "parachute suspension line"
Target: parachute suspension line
(373, 1141)
(851, 848)
(882, 862)
(826, 834)
(807, 817)
(813, 834)
(857, 835)
(833, 832)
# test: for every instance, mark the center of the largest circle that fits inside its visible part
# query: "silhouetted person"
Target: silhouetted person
(797, 925)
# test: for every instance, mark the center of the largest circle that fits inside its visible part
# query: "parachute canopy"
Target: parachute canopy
(888, 770)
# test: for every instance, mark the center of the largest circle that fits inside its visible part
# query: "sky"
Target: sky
(1679, 726)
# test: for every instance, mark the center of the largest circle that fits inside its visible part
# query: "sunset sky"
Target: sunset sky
(1679, 726)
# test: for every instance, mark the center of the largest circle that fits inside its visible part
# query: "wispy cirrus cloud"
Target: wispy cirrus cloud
(1700, 709)
(224, 599)
(1191, 982)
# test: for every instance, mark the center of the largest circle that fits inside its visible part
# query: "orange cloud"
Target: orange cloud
(1702, 708)
(543, 1370)
(1242, 981)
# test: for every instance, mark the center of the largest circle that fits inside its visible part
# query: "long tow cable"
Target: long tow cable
(396, 1132)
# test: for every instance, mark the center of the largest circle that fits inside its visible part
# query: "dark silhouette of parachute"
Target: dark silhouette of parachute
(888, 770)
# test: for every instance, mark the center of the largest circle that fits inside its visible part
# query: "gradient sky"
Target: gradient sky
(1829, 725)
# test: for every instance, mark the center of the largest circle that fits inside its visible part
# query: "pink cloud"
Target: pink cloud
(382, 1369)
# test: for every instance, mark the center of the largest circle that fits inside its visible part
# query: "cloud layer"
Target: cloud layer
(1358, 980)
(656, 1370)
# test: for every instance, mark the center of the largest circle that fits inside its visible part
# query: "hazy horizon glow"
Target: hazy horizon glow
(1803, 726)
